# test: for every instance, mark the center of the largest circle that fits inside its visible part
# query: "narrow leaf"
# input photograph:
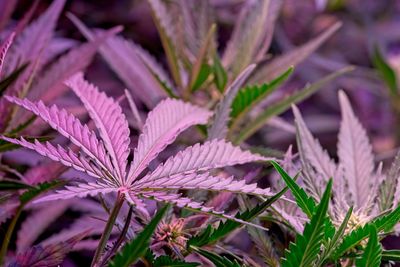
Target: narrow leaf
(137, 248)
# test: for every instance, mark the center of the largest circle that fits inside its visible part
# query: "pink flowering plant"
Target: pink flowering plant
(186, 166)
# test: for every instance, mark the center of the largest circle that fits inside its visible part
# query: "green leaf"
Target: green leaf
(387, 222)
(391, 255)
(167, 261)
(306, 203)
(306, 248)
(205, 71)
(137, 248)
(22, 126)
(201, 70)
(384, 69)
(249, 96)
(165, 30)
(383, 223)
(216, 259)
(334, 242)
(11, 78)
(211, 235)
(283, 105)
(7, 146)
(39, 189)
(372, 253)
(220, 76)
(6, 185)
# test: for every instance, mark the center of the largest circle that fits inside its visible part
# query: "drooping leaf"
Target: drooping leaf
(307, 246)
(355, 155)
(137, 247)
(283, 105)
(219, 127)
(372, 252)
(109, 119)
(161, 128)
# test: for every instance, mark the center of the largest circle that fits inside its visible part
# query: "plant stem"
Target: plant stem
(120, 239)
(107, 230)
(10, 230)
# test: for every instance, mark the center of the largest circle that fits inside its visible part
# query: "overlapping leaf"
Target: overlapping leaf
(161, 128)
(109, 119)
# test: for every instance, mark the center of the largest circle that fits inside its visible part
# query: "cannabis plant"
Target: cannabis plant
(106, 159)
(364, 200)
(199, 74)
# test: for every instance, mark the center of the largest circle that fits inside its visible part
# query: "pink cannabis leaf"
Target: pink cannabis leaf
(106, 158)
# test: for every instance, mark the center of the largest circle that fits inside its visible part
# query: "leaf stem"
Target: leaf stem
(107, 230)
(10, 230)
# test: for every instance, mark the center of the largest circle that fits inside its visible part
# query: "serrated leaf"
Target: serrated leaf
(372, 253)
(8, 146)
(337, 237)
(247, 98)
(386, 72)
(38, 190)
(306, 248)
(167, 261)
(306, 203)
(284, 104)
(211, 235)
(219, 127)
(391, 255)
(217, 260)
(137, 247)
(383, 223)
